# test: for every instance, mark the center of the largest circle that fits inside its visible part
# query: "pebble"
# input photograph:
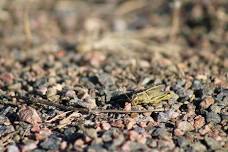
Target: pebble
(213, 144)
(70, 94)
(134, 146)
(151, 143)
(79, 143)
(29, 115)
(39, 150)
(96, 148)
(224, 116)
(197, 85)
(70, 133)
(223, 102)
(51, 143)
(213, 117)
(161, 133)
(184, 126)
(130, 123)
(178, 132)
(105, 125)
(215, 108)
(199, 121)
(107, 136)
(207, 102)
(12, 148)
(42, 90)
(163, 117)
(51, 94)
(182, 142)
(198, 147)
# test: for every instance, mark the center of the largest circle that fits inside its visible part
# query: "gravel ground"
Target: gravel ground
(64, 62)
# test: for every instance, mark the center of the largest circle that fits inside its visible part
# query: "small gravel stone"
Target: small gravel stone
(199, 121)
(105, 125)
(107, 136)
(213, 117)
(184, 126)
(134, 146)
(70, 133)
(213, 144)
(197, 85)
(96, 148)
(182, 142)
(160, 132)
(70, 94)
(178, 132)
(12, 148)
(207, 101)
(52, 143)
(51, 92)
(42, 90)
(215, 108)
(224, 116)
(163, 117)
(198, 147)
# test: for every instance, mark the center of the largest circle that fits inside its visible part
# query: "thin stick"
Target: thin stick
(27, 27)
(122, 111)
(175, 20)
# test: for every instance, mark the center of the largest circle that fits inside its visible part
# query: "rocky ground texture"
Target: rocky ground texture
(96, 54)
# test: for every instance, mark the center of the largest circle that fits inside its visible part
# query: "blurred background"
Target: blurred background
(181, 33)
(83, 25)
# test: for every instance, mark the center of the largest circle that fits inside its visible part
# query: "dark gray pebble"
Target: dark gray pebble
(182, 142)
(107, 136)
(52, 143)
(197, 85)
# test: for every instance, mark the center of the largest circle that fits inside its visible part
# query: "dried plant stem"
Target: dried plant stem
(27, 27)
(175, 20)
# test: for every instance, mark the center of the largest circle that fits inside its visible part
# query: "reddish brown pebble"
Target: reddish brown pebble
(178, 132)
(105, 125)
(199, 121)
(134, 115)
(126, 146)
(29, 115)
(43, 134)
(207, 101)
(143, 124)
(205, 130)
(131, 123)
(29, 147)
(135, 136)
(95, 58)
(127, 106)
(79, 143)
(118, 124)
(7, 78)
(35, 128)
(63, 145)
